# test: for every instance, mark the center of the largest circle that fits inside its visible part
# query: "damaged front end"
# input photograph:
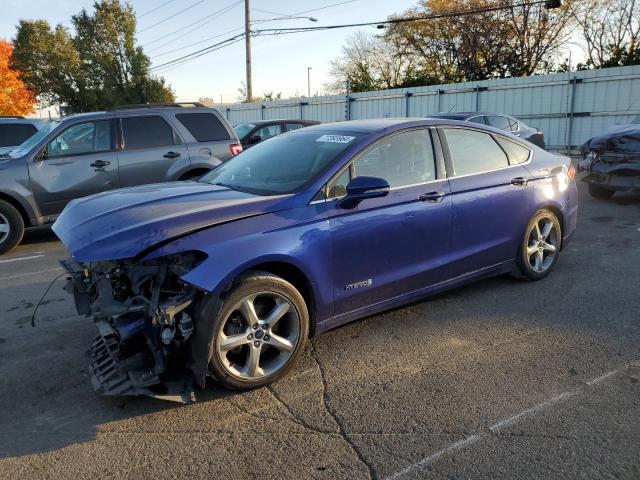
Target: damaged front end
(144, 314)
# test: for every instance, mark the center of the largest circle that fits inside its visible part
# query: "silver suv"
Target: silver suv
(14, 130)
(90, 153)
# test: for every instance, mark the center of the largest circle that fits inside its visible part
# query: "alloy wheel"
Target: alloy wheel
(5, 228)
(258, 336)
(542, 244)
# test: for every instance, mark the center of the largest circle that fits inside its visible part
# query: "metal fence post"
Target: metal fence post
(227, 112)
(477, 89)
(262, 109)
(347, 106)
(438, 107)
(407, 96)
(573, 82)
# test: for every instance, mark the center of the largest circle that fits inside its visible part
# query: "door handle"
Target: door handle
(171, 155)
(100, 164)
(519, 181)
(432, 196)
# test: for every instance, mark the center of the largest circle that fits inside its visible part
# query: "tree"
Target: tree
(371, 62)
(15, 97)
(97, 68)
(611, 31)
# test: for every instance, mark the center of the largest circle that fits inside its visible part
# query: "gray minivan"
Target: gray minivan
(94, 152)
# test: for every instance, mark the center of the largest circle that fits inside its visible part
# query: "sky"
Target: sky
(279, 62)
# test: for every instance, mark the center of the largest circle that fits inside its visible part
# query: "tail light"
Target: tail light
(236, 149)
(571, 172)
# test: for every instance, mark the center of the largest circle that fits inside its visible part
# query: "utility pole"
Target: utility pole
(308, 82)
(247, 43)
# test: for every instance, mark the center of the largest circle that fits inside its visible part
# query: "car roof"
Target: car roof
(21, 120)
(377, 124)
(135, 110)
(281, 120)
(465, 115)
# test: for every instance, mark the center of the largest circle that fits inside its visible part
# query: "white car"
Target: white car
(15, 130)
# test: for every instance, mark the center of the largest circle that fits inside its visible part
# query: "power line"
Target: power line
(283, 31)
(460, 13)
(201, 23)
(154, 9)
(199, 53)
(198, 42)
(172, 16)
(168, 68)
(305, 11)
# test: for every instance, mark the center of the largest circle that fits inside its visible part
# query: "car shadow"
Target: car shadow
(37, 235)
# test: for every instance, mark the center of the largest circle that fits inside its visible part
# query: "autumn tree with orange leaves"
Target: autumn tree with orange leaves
(15, 97)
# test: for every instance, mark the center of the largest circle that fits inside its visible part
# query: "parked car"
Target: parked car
(252, 133)
(500, 121)
(15, 130)
(229, 275)
(612, 161)
(94, 152)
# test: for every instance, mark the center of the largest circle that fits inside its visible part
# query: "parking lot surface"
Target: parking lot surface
(500, 379)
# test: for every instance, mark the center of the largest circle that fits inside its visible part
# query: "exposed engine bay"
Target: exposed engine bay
(144, 314)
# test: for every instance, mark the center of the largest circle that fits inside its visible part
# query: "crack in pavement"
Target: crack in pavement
(298, 418)
(326, 400)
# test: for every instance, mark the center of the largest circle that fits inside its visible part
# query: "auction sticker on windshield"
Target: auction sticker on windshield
(334, 138)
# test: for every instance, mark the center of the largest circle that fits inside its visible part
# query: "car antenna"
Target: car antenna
(35, 310)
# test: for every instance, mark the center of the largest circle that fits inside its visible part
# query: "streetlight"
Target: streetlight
(247, 40)
(308, 82)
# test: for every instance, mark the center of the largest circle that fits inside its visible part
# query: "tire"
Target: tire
(236, 341)
(600, 193)
(539, 252)
(11, 227)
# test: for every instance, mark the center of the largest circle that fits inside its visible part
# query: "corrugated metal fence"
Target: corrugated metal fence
(568, 107)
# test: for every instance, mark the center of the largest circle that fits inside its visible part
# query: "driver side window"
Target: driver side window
(82, 138)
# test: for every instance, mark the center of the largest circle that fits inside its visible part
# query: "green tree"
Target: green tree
(97, 68)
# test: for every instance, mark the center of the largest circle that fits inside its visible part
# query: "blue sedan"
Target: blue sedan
(229, 275)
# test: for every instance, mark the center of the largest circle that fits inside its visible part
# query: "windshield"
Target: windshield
(282, 164)
(243, 129)
(26, 146)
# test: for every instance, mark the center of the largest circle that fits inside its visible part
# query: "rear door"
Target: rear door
(211, 139)
(151, 151)
(79, 161)
(491, 199)
(394, 245)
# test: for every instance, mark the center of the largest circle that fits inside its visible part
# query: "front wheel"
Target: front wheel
(259, 333)
(11, 227)
(541, 245)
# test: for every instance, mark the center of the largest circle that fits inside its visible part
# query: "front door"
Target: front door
(390, 246)
(489, 195)
(79, 161)
(151, 151)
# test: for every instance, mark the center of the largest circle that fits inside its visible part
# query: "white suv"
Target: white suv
(15, 130)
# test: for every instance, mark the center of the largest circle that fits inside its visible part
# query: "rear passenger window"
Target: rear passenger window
(517, 153)
(13, 134)
(146, 132)
(499, 122)
(478, 120)
(473, 152)
(205, 127)
(292, 126)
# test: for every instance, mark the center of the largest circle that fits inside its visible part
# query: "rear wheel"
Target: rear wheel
(11, 227)
(597, 191)
(541, 245)
(259, 333)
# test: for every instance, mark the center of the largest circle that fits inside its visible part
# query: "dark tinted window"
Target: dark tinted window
(82, 138)
(284, 164)
(205, 127)
(13, 134)
(499, 122)
(517, 153)
(293, 126)
(472, 151)
(479, 119)
(402, 159)
(146, 132)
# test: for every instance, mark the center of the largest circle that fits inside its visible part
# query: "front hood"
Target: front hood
(122, 223)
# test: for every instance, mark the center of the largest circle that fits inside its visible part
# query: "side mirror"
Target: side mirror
(254, 139)
(362, 188)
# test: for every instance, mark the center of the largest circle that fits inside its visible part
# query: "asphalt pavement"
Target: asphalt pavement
(501, 379)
